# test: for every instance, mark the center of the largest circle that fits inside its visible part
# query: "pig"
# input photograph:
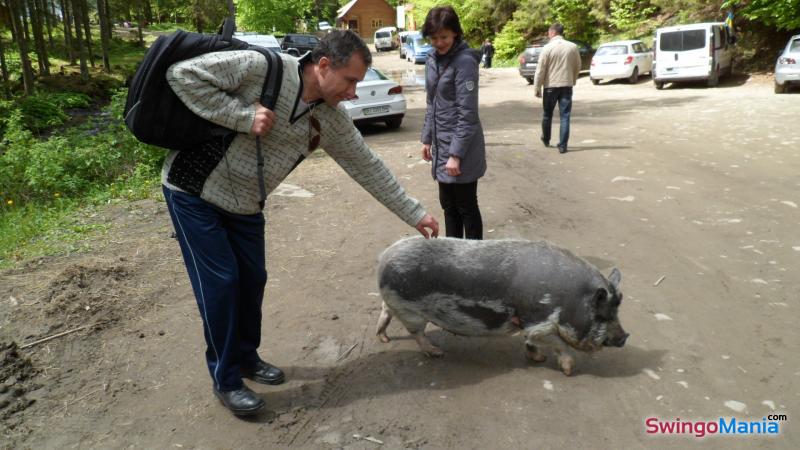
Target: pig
(500, 287)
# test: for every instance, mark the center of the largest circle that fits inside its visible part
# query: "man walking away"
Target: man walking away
(559, 67)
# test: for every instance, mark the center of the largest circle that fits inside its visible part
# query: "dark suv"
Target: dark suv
(529, 59)
(298, 44)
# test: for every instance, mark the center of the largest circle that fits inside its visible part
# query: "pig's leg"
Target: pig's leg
(416, 326)
(565, 359)
(383, 322)
(533, 353)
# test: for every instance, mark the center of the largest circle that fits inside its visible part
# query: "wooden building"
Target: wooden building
(366, 16)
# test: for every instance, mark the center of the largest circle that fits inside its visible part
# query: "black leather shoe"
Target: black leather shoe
(263, 372)
(241, 402)
(562, 149)
(545, 142)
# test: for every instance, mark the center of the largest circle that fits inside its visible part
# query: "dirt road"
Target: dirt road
(696, 188)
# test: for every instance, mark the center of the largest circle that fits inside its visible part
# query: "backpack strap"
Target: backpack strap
(269, 98)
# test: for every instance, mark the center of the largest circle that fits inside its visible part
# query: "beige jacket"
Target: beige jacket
(559, 65)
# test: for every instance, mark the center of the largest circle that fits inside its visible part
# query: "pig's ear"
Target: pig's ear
(614, 278)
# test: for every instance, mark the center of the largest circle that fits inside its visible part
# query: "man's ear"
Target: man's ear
(324, 65)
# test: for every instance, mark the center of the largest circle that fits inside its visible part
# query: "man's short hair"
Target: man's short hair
(338, 46)
(439, 18)
(557, 28)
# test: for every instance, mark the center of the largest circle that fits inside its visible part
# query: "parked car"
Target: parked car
(262, 40)
(700, 51)
(324, 26)
(385, 39)
(378, 99)
(402, 38)
(529, 58)
(621, 59)
(298, 44)
(787, 68)
(417, 48)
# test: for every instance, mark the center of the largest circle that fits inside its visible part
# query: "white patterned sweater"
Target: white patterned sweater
(222, 87)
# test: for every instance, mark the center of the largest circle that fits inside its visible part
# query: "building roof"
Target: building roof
(341, 12)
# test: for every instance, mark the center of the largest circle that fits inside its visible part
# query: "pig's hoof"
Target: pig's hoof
(567, 365)
(433, 352)
(384, 338)
(536, 356)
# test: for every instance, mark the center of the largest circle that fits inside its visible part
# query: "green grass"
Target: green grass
(499, 63)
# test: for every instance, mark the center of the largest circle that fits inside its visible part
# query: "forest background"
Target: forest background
(64, 149)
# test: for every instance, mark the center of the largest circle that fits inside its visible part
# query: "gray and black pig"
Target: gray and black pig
(475, 288)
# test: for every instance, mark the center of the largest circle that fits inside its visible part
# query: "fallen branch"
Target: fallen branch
(64, 333)
(347, 352)
(659, 280)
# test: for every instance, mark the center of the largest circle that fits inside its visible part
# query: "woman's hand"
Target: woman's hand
(426, 152)
(453, 166)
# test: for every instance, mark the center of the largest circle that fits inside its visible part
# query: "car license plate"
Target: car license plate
(375, 110)
(530, 65)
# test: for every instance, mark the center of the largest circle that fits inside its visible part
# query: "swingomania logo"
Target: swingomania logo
(731, 426)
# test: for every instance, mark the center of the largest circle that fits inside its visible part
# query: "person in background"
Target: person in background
(558, 70)
(487, 50)
(452, 136)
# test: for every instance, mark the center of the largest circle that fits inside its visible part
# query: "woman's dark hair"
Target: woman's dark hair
(338, 46)
(440, 18)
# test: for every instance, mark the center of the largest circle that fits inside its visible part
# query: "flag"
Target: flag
(729, 21)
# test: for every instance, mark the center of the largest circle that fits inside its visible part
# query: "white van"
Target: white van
(385, 39)
(700, 51)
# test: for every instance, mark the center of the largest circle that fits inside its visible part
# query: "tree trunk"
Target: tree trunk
(110, 24)
(49, 15)
(87, 29)
(139, 21)
(65, 8)
(27, 72)
(148, 11)
(23, 11)
(104, 25)
(76, 17)
(38, 36)
(4, 69)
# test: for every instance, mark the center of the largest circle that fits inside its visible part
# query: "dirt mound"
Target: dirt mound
(16, 374)
(87, 293)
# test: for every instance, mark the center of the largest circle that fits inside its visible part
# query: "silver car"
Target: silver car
(787, 68)
(378, 99)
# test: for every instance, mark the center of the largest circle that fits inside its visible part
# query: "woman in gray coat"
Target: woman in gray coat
(452, 136)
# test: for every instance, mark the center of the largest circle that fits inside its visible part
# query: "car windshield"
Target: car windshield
(420, 41)
(533, 50)
(374, 75)
(795, 47)
(383, 34)
(681, 41)
(612, 50)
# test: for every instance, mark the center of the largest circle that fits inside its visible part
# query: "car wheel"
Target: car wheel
(529, 80)
(634, 78)
(659, 84)
(394, 123)
(713, 80)
(595, 81)
(780, 88)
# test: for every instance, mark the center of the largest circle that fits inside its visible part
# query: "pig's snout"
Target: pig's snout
(616, 341)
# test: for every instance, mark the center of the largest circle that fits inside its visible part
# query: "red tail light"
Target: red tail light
(396, 90)
(521, 59)
(629, 59)
(593, 63)
(786, 61)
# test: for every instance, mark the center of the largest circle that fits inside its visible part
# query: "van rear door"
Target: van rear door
(683, 54)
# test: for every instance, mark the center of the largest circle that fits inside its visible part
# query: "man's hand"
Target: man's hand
(426, 223)
(263, 120)
(538, 93)
(453, 166)
(426, 152)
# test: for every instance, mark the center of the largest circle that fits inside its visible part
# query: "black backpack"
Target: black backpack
(155, 115)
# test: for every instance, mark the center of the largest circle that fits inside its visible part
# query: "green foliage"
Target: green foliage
(782, 14)
(265, 15)
(628, 15)
(577, 18)
(510, 42)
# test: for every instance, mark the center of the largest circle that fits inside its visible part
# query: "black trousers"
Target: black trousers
(461, 214)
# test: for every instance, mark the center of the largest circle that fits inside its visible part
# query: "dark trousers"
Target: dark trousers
(461, 213)
(488, 62)
(562, 96)
(225, 257)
